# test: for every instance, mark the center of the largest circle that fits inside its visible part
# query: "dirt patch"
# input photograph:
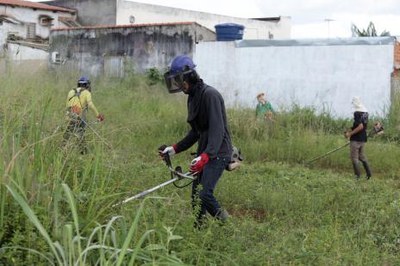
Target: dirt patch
(258, 215)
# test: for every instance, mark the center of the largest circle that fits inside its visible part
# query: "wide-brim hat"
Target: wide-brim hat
(357, 105)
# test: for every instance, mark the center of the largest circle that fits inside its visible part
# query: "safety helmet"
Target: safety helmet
(182, 63)
(83, 82)
(174, 77)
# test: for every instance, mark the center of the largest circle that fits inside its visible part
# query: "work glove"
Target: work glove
(100, 117)
(198, 163)
(170, 150)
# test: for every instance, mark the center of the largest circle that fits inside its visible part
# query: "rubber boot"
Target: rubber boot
(356, 170)
(367, 169)
(222, 215)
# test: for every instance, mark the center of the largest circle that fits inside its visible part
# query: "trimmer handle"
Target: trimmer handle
(165, 156)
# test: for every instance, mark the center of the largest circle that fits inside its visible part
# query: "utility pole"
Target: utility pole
(329, 20)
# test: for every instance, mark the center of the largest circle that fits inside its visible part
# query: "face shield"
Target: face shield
(174, 81)
(177, 73)
(84, 84)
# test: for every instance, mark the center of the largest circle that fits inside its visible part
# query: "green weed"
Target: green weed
(56, 206)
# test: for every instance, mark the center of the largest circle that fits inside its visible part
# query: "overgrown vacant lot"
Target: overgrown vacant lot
(56, 206)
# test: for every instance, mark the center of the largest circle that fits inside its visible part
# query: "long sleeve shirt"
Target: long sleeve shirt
(208, 121)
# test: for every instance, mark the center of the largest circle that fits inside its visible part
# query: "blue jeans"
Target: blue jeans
(208, 179)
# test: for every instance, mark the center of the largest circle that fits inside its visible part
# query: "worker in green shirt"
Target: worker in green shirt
(264, 108)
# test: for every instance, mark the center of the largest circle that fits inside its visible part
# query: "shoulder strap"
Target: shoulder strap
(77, 94)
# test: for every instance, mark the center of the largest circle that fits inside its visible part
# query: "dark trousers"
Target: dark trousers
(203, 187)
(76, 128)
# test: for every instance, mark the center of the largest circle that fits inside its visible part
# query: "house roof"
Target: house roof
(34, 5)
(10, 19)
(125, 26)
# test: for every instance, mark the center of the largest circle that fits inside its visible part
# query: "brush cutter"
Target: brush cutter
(328, 153)
(87, 124)
(176, 175)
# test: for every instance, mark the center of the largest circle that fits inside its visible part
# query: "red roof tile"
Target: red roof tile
(34, 5)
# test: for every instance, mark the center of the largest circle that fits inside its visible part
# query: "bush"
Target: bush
(154, 76)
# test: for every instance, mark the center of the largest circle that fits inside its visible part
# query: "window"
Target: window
(30, 30)
(45, 20)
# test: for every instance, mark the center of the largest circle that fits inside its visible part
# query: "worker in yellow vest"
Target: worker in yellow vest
(79, 100)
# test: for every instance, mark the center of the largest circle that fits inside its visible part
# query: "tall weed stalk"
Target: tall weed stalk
(101, 247)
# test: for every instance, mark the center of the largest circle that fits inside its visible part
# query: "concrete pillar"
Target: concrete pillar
(394, 114)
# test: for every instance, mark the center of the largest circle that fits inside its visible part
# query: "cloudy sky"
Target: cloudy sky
(310, 18)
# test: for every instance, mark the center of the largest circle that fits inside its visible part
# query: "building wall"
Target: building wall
(4, 29)
(29, 15)
(121, 12)
(91, 12)
(254, 29)
(397, 55)
(321, 74)
(14, 57)
(21, 53)
(112, 51)
(20, 59)
(395, 93)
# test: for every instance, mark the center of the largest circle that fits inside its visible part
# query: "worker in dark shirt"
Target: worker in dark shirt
(358, 138)
(208, 127)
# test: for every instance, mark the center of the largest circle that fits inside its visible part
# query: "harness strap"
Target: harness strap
(77, 94)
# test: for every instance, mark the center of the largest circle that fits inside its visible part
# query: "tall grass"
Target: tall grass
(56, 205)
(77, 249)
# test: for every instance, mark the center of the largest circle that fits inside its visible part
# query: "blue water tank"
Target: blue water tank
(229, 31)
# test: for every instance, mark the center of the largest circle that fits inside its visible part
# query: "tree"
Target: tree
(369, 32)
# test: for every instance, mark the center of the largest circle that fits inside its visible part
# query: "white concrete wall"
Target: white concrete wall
(23, 60)
(145, 13)
(19, 53)
(3, 35)
(322, 76)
